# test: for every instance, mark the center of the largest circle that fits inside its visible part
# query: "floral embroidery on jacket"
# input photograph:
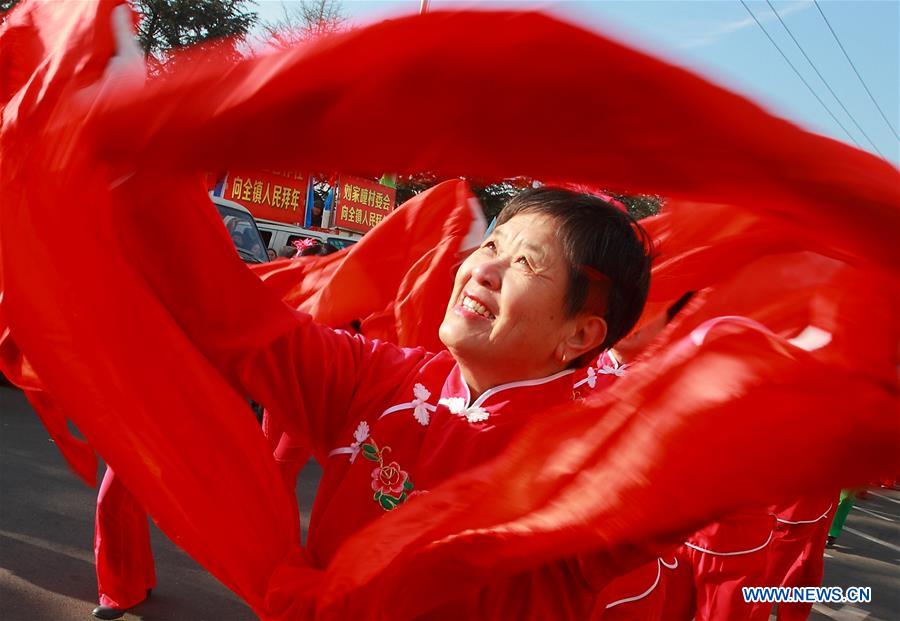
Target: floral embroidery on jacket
(390, 484)
(420, 412)
(359, 436)
(608, 369)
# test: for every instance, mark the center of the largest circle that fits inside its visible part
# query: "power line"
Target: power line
(824, 81)
(799, 75)
(861, 81)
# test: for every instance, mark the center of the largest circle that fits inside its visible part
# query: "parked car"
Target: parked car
(243, 230)
(277, 235)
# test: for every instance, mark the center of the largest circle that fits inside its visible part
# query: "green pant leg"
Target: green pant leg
(848, 497)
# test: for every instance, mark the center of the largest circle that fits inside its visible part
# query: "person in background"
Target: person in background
(317, 209)
(798, 549)
(272, 254)
(702, 580)
(250, 243)
(287, 252)
(122, 554)
(315, 249)
(847, 499)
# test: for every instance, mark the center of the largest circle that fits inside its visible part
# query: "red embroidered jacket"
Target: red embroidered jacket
(390, 423)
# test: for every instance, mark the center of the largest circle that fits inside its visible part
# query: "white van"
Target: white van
(277, 235)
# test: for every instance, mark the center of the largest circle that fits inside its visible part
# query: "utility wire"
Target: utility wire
(824, 81)
(799, 75)
(861, 81)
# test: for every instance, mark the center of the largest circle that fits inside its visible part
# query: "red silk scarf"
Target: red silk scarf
(143, 366)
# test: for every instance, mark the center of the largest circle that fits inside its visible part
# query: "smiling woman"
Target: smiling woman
(563, 276)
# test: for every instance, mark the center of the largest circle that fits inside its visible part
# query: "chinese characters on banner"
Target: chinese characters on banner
(272, 195)
(361, 204)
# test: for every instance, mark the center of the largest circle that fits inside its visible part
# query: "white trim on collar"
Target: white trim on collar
(475, 413)
(490, 392)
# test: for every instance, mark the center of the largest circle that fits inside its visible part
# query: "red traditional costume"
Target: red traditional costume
(390, 424)
(715, 563)
(798, 548)
(501, 530)
(639, 595)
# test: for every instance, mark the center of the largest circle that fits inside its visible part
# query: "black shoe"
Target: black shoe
(829, 541)
(107, 613)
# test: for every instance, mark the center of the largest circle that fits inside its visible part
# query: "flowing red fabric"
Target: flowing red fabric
(396, 280)
(16, 368)
(187, 445)
(146, 369)
(705, 144)
(756, 268)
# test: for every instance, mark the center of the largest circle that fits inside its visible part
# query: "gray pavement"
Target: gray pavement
(867, 553)
(46, 538)
(46, 534)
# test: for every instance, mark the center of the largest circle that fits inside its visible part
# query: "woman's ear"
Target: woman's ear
(589, 332)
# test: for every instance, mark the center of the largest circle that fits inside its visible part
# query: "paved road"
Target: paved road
(46, 529)
(46, 539)
(867, 554)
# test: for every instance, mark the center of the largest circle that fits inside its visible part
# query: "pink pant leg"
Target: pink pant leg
(122, 551)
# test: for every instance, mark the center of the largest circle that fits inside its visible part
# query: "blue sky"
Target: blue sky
(720, 40)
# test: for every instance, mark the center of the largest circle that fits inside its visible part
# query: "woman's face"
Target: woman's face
(506, 319)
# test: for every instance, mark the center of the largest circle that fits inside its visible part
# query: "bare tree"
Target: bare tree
(305, 20)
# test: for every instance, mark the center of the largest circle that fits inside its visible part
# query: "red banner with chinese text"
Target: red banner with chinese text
(361, 204)
(272, 195)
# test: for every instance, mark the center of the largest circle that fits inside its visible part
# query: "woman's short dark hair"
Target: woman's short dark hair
(605, 248)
